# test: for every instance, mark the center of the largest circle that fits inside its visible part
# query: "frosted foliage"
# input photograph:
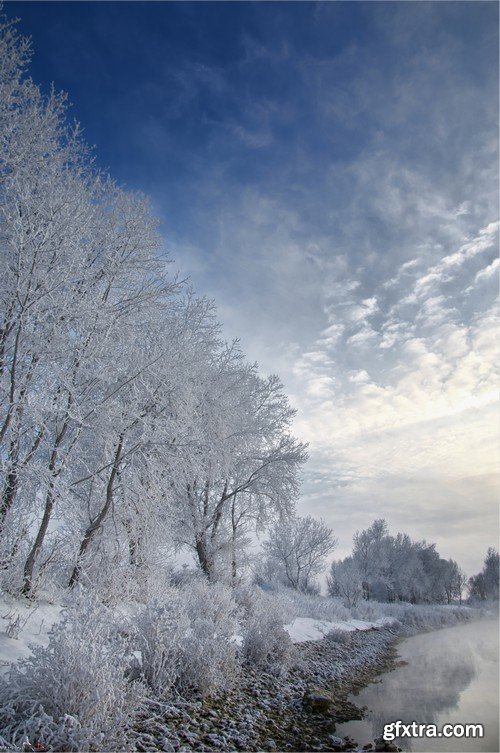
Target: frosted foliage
(297, 549)
(412, 617)
(186, 640)
(302, 604)
(346, 581)
(73, 694)
(339, 636)
(161, 636)
(265, 641)
(128, 428)
(209, 660)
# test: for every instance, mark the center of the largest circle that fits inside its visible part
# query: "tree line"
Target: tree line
(484, 585)
(128, 427)
(396, 568)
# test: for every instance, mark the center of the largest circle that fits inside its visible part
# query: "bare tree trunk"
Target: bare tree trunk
(11, 482)
(12, 478)
(133, 544)
(49, 506)
(204, 559)
(12, 388)
(234, 527)
(5, 331)
(200, 526)
(94, 526)
(29, 566)
(14, 462)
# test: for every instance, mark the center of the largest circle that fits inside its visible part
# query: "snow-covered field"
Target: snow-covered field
(24, 624)
(308, 629)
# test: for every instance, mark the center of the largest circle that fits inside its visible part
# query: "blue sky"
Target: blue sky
(328, 173)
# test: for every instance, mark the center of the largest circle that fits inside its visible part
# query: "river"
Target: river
(451, 678)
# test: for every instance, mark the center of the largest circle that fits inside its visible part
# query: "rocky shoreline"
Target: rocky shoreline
(295, 712)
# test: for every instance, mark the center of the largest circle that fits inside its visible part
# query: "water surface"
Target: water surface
(451, 677)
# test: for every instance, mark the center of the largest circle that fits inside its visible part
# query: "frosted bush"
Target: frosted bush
(265, 641)
(186, 640)
(413, 617)
(209, 660)
(162, 630)
(315, 606)
(410, 617)
(339, 636)
(72, 694)
(367, 610)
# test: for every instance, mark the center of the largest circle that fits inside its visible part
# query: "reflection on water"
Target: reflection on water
(451, 678)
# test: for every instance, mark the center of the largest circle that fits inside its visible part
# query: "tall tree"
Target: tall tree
(242, 464)
(298, 547)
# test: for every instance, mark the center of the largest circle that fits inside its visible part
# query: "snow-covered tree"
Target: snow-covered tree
(369, 553)
(396, 568)
(242, 465)
(346, 582)
(297, 549)
(127, 426)
(484, 585)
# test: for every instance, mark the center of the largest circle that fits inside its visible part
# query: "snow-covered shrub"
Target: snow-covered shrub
(318, 607)
(265, 641)
(161, 631)
(209, 660)
(413, 617)
(339, 636)
(73, 693)
(118, 581)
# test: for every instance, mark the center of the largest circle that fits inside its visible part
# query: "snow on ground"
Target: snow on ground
(23, 624)
(309, 629)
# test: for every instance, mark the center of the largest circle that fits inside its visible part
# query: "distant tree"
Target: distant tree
(451, 579)
(396, 568)
(477, 588)
(298, 548)
(432, 590)
(461, 583)
(491, 573)
(370, 555)
(346, 582)
(484, 585)
(405, 576)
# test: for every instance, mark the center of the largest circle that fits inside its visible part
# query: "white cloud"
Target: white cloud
(362, 337)
(487, 272)
(359, 376)
(442, 374)
(362, 280)
(449, 264)
(403, 270)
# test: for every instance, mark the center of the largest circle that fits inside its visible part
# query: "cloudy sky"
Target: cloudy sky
(328, 173)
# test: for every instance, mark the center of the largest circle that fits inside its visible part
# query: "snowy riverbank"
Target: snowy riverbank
(292, 704)
(294, 712)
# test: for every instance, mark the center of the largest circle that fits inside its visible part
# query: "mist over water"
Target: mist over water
(451, 678)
